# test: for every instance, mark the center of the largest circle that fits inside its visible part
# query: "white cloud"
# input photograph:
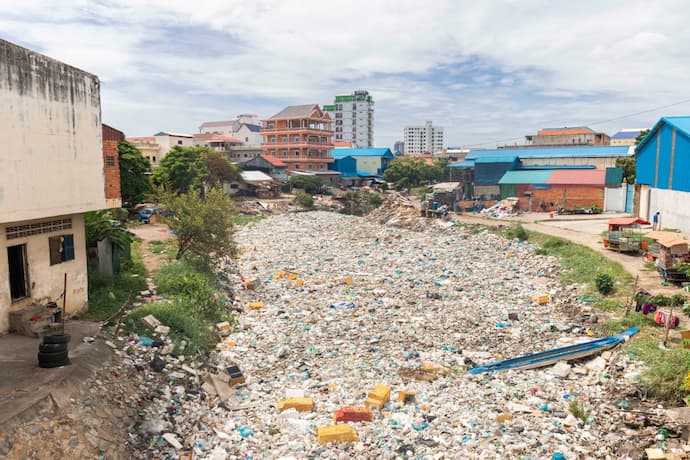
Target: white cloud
(529, 63)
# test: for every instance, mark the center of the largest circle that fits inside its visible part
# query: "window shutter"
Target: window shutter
(68, 253)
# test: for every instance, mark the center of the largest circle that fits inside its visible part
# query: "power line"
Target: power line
(588, 124)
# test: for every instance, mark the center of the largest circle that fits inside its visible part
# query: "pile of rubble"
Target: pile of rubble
(361, 334)
(399, 211)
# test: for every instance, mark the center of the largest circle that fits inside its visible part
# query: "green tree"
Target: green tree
(219, 169)
(134, 174)
(408, 172)
(310, 184)
(203, 225)
(183, 169)
(628, 164)
(103, 224)
(641, 136)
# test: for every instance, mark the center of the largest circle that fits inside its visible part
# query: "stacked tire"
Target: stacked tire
(53, 351)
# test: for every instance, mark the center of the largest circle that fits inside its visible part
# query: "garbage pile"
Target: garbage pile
(504, 208)
(355, 340)
(399, 211)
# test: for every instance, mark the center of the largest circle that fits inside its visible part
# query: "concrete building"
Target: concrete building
(580, 135)
(398, 148)
(663, 173)
(353, 115)
(301, 136)
(229, 127)
(155, 147)
(423, 139)
(51, 173)
(625, 137)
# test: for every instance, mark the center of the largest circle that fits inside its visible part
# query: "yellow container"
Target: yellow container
(256, 305)
(278, 275)
(348, 281)
(541, 299)
(406, 396)
(336, 433)
(292, 276)
(379, 396)
(300, 404)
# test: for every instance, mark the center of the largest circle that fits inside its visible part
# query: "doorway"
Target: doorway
(19, 279)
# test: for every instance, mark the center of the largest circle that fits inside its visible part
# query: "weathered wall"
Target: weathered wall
(614, 198)
(597, 162)
(45, 280)
(673, 206)
(369, 165)
(51, 160)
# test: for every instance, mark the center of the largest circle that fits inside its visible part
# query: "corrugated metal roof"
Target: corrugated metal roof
(462, 164)
(682, 124)
(577, 177)
(626, 134)
(497, 159)
(364, 152)
(555, 152)
(525, 177)
(564, 131)
(255, 176)
(273, 161)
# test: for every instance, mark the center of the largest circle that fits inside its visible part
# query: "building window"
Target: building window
(296, 138)
(179, 142)
(273, 153)
(61, 249)
(110, 160)
(285, 140)
(285, 153)
(310, 167)
(273, 140)
(321, 166)
(154, 159)
(18, 271)
(49, 226)
(296, 153)
(296, 165)
(271, 126)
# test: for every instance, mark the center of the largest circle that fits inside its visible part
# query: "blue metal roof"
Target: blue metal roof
(553, 152)
(462, 164)
(370, 152)
(497, 159)
(626, 134)
(682, 124)
(521, 176)
(253, 128)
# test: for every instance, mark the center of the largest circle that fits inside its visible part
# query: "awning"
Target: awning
(627, 221)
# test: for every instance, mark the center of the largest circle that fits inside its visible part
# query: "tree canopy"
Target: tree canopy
(641, 136)
(407, 172)
(310, 184)
(219, 169)
(182, 170)
(134, 174)
(203, 225)
(629, 166)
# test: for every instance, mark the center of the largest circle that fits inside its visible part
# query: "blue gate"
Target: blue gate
(629, 197)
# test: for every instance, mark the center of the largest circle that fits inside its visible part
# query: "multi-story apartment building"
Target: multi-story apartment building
(580, 135)
(229, 127)
(353, 116)
(51, 173)
(301, 136)
(155, 147)
(398, 148)
(421, 139)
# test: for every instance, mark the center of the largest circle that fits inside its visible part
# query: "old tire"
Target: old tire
(53, 364)
(52, 357)
(51, 347)
(59, 338)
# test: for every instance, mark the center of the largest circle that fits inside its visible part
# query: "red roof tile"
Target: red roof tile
(274, 161)
(577, 177)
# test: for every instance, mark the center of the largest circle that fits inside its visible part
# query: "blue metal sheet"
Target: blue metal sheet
(522, 176)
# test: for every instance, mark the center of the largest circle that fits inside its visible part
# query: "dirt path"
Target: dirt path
(148, 233)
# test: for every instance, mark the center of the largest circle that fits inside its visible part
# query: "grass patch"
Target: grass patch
(651, 266)
(420, 191)
(610, 305)
(581, 263)
(108, 293)
(578, 409)
(168, 247)
(634, 319)
(243, 219)
(666, 369)
(183, 326)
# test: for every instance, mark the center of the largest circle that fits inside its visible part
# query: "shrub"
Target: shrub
(197, 288)
(664, 377)
(310, 184)
(577, 408)
(518, 232)
(305, 200)
(604, 283)
(375, 199)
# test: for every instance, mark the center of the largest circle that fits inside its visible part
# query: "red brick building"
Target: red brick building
(111, 166)
(301, 136)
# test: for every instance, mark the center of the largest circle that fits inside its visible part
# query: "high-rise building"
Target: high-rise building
(399, 148)
(353, 115)
(421, 139)
(300, 136)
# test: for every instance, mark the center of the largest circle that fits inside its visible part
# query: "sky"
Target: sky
(488, 71)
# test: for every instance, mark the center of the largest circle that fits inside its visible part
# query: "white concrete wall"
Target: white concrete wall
(673, 206)
(614, 199)
(45, 280)
(368, 164)
(51, 154)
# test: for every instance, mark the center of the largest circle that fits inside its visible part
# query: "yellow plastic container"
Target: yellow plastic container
(406, 396)
(299, 404)
(379, 396)
(256, 305)
(292, 276)
(337, 433)
(541, 299)
(348, 281)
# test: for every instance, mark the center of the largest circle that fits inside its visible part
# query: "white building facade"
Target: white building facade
(421, 139)
(353, 116)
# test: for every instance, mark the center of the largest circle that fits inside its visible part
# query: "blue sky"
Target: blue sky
(486, 71)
